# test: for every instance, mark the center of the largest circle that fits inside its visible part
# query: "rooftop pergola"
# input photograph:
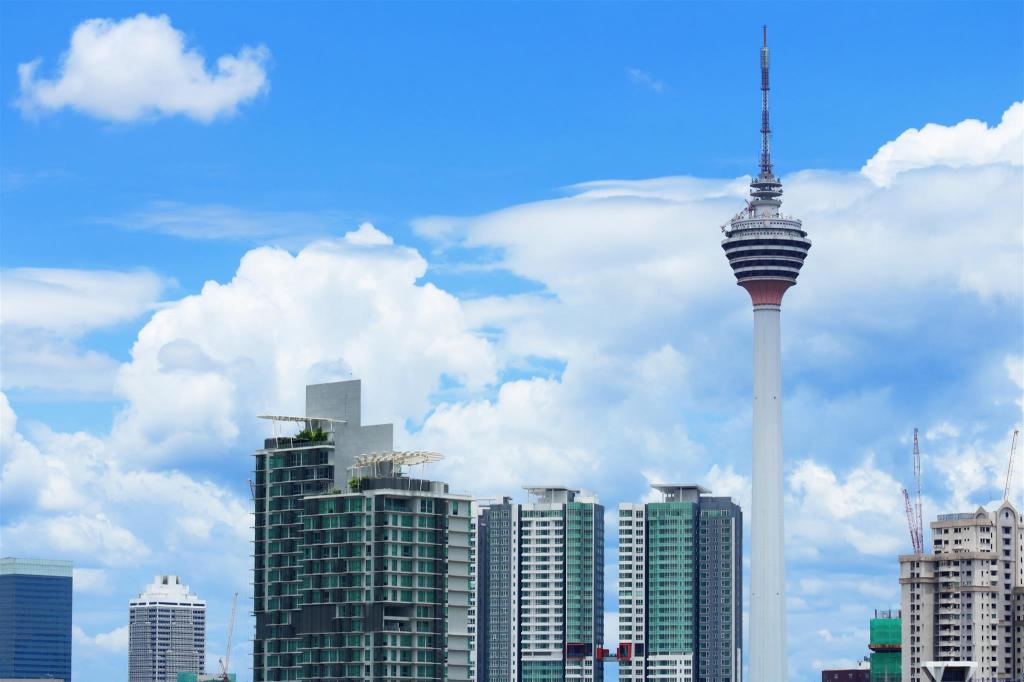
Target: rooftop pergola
(384, 463)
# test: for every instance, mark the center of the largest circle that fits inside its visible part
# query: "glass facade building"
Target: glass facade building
(35, 618)
(680, 588)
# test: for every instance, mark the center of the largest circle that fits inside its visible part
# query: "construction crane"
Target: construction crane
(1009, 465)
(225, 663)
(917, 479)
(915, 539)
(915, 517)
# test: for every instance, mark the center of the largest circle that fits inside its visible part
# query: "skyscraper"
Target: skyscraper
(361, 572)
(540, 588)
(35, 618)
(766, 251)
(681, 588)
(311, 458)
(166, 632)
(963, 604)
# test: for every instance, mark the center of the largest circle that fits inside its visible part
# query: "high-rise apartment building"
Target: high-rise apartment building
(166, 632)
(310, 459)
(361, 572)
(540, 588)
(680, 588)
(477, 553)
(963, 604)
(35, 618)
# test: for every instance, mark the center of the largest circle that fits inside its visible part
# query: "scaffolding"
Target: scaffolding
(886, 646)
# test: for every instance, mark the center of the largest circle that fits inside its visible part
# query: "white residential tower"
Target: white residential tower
(963, 604)
(166, 632)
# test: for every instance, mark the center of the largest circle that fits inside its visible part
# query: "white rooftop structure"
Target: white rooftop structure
(390, 463)
(165, 589)
(299, 419)
(166, 632)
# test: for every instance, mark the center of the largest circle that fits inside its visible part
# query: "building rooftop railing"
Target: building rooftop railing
(963, 516)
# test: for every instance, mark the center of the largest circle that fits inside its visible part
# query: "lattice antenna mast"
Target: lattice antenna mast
(766, 130)
(917, 479)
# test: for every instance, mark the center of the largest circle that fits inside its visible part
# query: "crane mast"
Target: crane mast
(915, 539)
(225, 663)
(1009, 465)
(915, 516)
(918, 505)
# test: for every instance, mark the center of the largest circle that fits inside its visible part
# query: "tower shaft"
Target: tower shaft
(767, 577)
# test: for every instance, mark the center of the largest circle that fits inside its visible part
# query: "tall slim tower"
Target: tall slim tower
(766, 250)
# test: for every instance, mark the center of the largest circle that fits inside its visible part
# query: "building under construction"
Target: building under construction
(885, 645)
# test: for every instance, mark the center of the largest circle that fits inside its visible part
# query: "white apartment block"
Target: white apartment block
(680, 588)
(167, 632)
(965, 601)
(539, 601)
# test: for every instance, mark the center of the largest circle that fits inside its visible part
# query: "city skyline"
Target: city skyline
(458, 233)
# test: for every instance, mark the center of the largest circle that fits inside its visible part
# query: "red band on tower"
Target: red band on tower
(766, 291)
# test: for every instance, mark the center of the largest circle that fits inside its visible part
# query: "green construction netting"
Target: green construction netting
(885, 631)
(885, 666)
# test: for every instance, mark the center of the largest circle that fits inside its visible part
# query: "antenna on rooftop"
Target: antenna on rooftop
(766, 130)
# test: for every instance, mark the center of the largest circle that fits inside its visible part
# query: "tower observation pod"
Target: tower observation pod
(766, 251)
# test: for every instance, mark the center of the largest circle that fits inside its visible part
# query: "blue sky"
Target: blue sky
(503, 218)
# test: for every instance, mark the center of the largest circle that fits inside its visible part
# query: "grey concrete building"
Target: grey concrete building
(963, 604)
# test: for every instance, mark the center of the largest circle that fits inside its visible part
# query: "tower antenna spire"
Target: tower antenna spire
(766, 131)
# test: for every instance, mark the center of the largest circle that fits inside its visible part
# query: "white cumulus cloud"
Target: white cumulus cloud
(863, 510)
(45, 313)
(140, 67)
(67, 495)
(204, 366)
(113, 642)
(71, 302)
(968, 143)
